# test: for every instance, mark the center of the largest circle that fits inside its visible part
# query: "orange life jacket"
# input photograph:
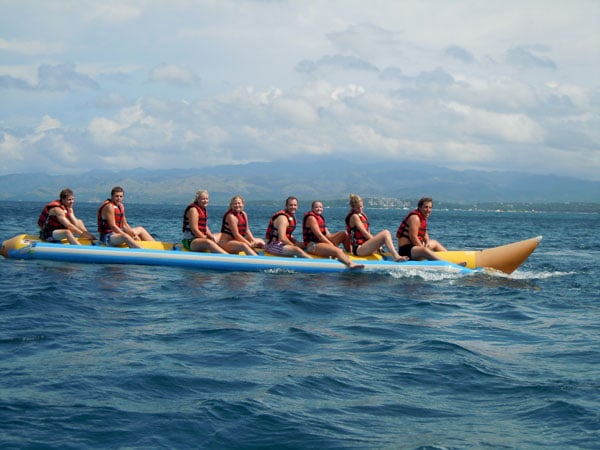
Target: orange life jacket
(202, 218)
(307, 233)
(403, 228)
(242, 224)
(48, 222)
(272, 233)
(103, 226)
(356, 236)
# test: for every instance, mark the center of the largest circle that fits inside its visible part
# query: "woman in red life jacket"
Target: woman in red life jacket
(319, 241)
(363, 242)
(113, 226)
(279, 237)
(57, 221)
(236, 236)
(413, 238)
(197, 236)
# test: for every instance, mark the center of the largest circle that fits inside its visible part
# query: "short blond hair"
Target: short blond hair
(199, 194)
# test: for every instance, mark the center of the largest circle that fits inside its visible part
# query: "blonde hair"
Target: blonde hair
(354, 200)
(234, 198)
(199, 194)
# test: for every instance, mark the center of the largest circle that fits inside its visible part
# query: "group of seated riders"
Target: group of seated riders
(57, 221)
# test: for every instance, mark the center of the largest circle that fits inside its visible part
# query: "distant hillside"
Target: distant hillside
(314, 179)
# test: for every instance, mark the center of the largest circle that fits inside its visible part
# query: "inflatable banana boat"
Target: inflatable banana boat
(505, 258)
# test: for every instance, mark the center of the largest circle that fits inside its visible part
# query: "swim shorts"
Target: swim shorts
(48, 237)
(275, 247)
(405, 250)
(105, 239)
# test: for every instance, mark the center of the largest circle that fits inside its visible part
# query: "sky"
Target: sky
(509, 85)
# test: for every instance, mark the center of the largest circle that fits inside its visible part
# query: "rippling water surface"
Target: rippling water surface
(109, 356)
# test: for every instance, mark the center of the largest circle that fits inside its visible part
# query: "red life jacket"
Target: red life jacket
(272, 233)
(307, 233)
(48, 222)
(403, 228)
(242, 224)
(103, 226)
(355, 235)
(202, 218)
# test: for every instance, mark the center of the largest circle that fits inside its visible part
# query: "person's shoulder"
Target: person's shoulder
(283, 218)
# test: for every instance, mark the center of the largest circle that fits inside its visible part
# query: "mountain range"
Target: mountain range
(325, 179)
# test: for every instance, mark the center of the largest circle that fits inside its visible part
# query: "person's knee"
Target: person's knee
(386, 235)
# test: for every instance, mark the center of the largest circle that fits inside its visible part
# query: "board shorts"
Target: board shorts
(275, 247)
(48, 237)
(405, 250)
(105, 239)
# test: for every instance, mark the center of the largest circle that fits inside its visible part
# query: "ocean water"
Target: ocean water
(110, 356)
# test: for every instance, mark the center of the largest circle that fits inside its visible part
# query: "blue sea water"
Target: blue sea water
(109, 356)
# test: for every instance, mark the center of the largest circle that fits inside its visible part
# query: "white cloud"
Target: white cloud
(30, 47)
(11, 152)
(111, 100)
(456, 153)
(132, 127)
(48, 123)
(103, 132)
(112, 11)
(332, 62)
(516, 128)
(350, 91)
(50, 77)
(297, 111)
(369, 139)
(524, 57)
(126, 83)
(173, 74)
(578, 95)
(367, 42)
(460, 53)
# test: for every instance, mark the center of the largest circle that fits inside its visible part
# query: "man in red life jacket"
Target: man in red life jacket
(279, 237)
(112, 223)
(413, 238)
(57, 221)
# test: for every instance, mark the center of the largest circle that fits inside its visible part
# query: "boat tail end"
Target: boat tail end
(12, 244)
